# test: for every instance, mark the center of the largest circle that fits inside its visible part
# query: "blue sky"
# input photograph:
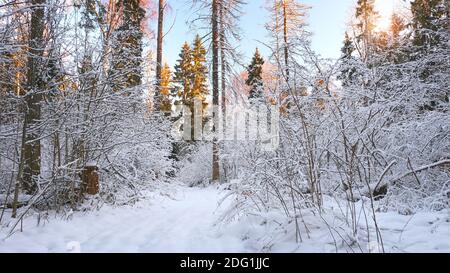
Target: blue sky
(327, 22)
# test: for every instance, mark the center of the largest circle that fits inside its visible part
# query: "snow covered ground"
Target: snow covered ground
(185, 219)
(178, 221)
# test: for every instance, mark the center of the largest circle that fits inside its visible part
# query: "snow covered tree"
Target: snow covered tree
(127, 48)
(397, 26)
(429, 17)
(13, 61)
(221, 18)
(287, 29)
(254, 79)
(347, 73)
(365, 36)
(215, 31)
(397, 39)
(229, 35)
(31, 144)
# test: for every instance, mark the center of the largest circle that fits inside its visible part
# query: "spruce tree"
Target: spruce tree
(396, 52)
(429, 17)
(127, 53)
(215, 7)
(164, 89)
(348, 70)
(191, 76)
(159, 54)
(199, 71)
(191, 73)
(397, 26)
(254, 79)
(430, 39)
(182, 88)
(183, 74)
(366, 15)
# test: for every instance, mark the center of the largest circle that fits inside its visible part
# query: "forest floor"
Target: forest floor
(180, 220)
(184, 219)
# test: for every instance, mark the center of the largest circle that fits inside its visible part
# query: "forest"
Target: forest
(112, 142)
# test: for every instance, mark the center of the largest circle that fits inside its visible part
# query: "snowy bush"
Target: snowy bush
(195, 167)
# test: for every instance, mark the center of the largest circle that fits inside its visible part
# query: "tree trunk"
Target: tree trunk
(159, 53)
(223, 64)
(285, 35)
(32, 145)
(215, 80)
(19, 174)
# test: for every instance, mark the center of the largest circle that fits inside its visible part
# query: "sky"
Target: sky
(327, 21)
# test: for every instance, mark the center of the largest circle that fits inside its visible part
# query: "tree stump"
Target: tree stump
(90, 180)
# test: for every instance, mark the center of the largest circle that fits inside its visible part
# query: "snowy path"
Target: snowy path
(183, 222)
(184, 219)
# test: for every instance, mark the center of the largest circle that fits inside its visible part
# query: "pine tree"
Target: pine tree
(287, 27)
(397, 26)
(254, 79)
(183, 74)
(429, 17)
(199, 71)
(164, 89)
(348, 70)
(430, 25)
(386, 46)
(396, 53)
(215, 7)
(158, 101)
(367, 15)
(348, 48)
(191, 76)
(127, 58)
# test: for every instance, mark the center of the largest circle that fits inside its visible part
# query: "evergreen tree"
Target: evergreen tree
(182, 87)
(199, 71)
(254, 79)
(215, 7)
(397, 26)
(430, 43)
(348, 48)
(367, 15)
(387, 45)
(164, 89)
(191, 76)
(159, 54)
(127, 58)
(183, 73)
(396, 52)
(191, 73)
(348, 70)
(429, 17)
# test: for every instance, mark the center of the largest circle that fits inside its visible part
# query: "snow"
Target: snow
(178, 221)
(185, 219)
(8, 199)
(421, 232)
